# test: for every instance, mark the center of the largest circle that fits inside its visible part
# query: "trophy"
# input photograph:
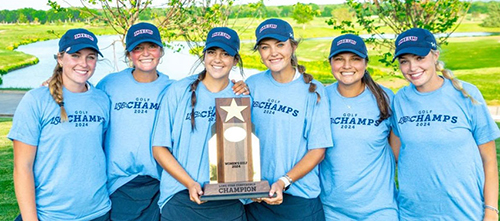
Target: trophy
(234, 154)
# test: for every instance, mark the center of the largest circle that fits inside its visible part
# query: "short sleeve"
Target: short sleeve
(484, 128)
(26, 125)
(162, 130)
(319, 133)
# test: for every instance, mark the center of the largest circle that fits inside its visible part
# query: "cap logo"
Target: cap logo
(221, 34)
(346, 41)
(83, 35)
(143, 31)
(273, 26)
(408, 38)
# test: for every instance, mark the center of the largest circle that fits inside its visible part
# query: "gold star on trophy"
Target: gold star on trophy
(233, 111)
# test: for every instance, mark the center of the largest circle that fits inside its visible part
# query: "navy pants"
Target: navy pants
(292, 208)
(137, 200)
(179, 207)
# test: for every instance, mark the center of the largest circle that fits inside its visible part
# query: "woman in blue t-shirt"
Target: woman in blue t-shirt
(361, 160)
(59, 163)
(447, 166)
(183, 128)
(290, 114)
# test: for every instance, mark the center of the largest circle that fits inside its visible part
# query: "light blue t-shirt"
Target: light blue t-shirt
(357, 174)
(173, 130)
(288, 122)
(127, 143)
(70, 166)
(440, 171)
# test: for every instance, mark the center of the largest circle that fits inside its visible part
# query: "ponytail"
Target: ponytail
(56, 88)
(448, 74)
(380, 95)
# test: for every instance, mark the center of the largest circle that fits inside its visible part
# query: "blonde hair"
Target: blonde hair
(448, 74)
(56, 88)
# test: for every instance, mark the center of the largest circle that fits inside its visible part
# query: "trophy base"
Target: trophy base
(235, 190)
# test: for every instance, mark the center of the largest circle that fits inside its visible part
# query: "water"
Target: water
(174, 64)
(393, 36)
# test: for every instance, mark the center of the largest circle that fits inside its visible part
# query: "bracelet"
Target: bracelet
(491, 208)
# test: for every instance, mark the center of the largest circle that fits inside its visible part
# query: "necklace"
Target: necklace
(344, 99)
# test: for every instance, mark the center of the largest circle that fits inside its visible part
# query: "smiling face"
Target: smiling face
(348, 68)
(146, 57)
(218, 63)
(421, 71)
(276, 55)
(77, 68)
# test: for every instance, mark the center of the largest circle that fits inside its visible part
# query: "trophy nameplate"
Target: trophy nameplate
(234, 154)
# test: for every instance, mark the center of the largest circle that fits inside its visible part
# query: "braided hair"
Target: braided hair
(307, 77)
(56, 88)
(448, 74)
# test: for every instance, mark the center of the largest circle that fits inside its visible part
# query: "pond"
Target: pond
(174, 64)
(393, 36)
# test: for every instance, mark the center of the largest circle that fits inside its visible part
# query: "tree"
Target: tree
(22, 19)
(493, 19)
(375, 16)
(189, 19)
(304, 14)
(342, 14)
(197, 19)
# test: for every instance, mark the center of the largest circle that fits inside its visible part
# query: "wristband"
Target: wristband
(491, 208)
(286, 182)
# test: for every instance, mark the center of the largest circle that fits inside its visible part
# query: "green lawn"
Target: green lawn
(8, 204)
(11, 36)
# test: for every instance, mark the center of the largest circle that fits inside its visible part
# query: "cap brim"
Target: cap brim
(346, 50)
(273, 36)
(132, 46)
(412, 50)
(225, 47)
(78, 47)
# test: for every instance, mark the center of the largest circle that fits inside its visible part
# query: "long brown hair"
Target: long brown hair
(381, 96)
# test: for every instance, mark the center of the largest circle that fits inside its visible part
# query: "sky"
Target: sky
(42, 4)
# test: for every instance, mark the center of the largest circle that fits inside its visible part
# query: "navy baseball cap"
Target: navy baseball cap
(274, 28)
(224, 38)
(75, 40)
(348, 43)
(142, 32)
(415, 41)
